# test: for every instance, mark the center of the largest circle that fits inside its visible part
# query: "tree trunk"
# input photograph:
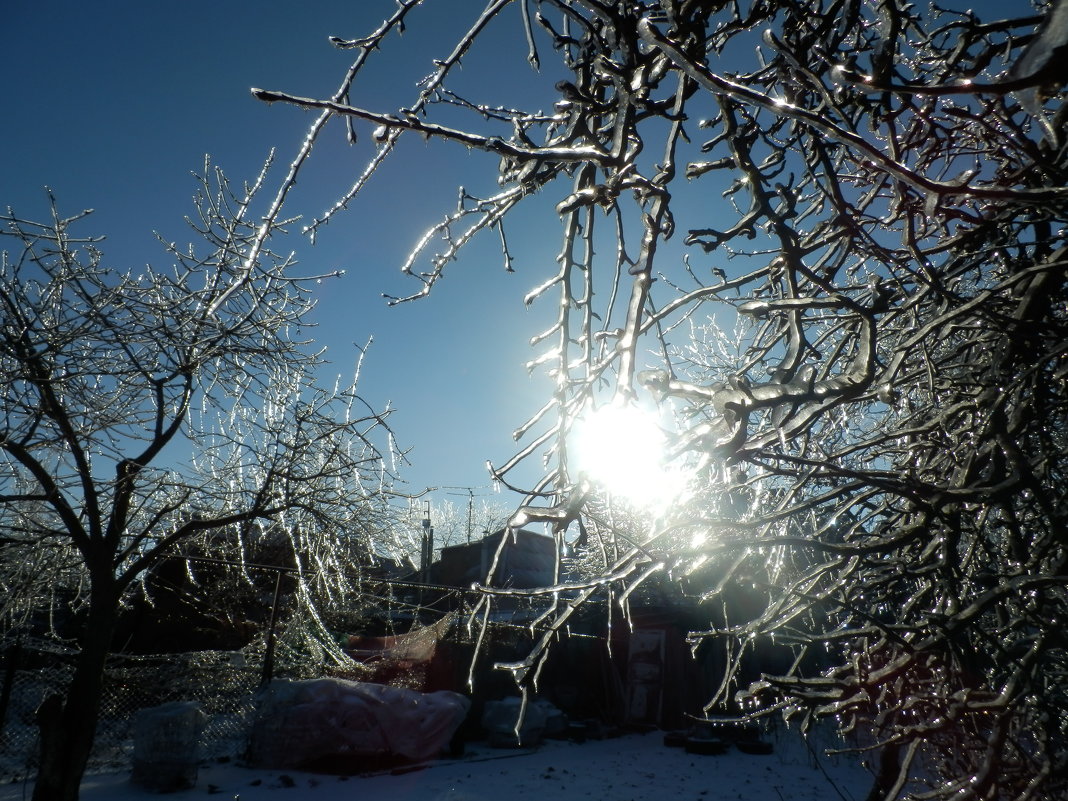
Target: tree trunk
(887, 774)
(67, 732)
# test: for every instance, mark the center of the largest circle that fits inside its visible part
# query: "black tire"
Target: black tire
(706, 746)
(760, 747)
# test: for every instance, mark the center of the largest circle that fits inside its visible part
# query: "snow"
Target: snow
(627, 768)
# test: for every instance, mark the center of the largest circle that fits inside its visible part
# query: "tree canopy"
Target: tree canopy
(145, 409)
(827, 237)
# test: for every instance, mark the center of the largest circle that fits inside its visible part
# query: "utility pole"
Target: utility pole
(470, 510)
(427, 545)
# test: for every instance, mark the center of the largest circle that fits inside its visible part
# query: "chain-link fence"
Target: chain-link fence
(222, 683)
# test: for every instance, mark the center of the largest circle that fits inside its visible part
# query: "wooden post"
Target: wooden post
(268, 657)
(11, 664)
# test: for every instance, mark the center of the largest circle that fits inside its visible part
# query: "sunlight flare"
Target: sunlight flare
(621, 448)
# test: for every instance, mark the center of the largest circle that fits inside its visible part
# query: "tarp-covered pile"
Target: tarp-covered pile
(326, 721)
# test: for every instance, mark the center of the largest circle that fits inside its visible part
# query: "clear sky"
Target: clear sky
(113, 104)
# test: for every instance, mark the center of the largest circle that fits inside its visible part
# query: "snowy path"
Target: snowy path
(635, 767)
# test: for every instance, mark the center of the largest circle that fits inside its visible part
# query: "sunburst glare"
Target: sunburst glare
(621, 448)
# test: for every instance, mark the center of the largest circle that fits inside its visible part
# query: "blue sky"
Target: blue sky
(113, 104)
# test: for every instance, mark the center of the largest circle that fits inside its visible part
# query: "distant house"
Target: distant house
(526, 560)
(420, 642)
(643, 673)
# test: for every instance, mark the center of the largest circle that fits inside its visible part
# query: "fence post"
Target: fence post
(268, 656)
(12, 656)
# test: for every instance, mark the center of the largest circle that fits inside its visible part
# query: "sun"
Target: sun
(621, 448)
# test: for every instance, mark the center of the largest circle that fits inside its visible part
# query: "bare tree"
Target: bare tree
(143, 409)
(456, 523)
(871, 197)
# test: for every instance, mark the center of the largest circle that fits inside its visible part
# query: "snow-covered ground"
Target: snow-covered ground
(632, 767)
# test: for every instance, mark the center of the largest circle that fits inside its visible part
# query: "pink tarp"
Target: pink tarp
(300, 723)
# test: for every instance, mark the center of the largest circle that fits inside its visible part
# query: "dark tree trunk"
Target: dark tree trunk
(68, 727)
(887, 774)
